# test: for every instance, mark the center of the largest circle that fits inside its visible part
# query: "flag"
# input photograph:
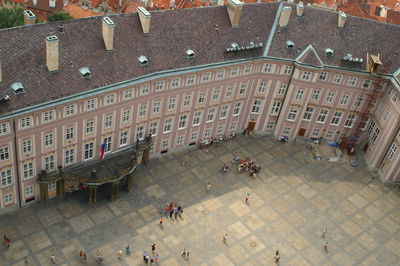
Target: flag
(102, 150)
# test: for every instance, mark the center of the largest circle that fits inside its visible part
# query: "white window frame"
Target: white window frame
(153, 128)
(69, 133)
(91, 104)
(182, 121)
(237, 108)
(49, 162)
(69, 110)
(262, 87)
(292, 114)
(255, 109)
(206, 77)
(4, 153)
(220, 74)
(175, 83)
(123, 138)
(352, 81)
(392, 151)
(337, 78)
(3, 128)
(128, 94)
(344, 99)
(187, 100)
(48, 140)
(171, 104)
(6, 176)
(330, 97)
(191, 80)
(168, 125)
(156, 107)
(323, 76)
(159, 85)
(349, 120)
(25, 122)
(89, 127)
(224, 112)
(315, 95)
(144, 89)
(308, 113)
(276, 107)
(28, 170)
(299, 95)
(337, 116)
(197, 118)
(306, 75)
(142, 110)
(88, 151)
(69, 156)
(48, 116)
(234, 72)
(202, 98)
(27, 146)
(282, 89)
(323, 114)
(210, 115)
(126, 115)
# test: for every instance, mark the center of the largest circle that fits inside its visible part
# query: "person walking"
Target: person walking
(324, 233)
(81, 254)
(277, 256)
(153, 248)
(225, 239)
(120, 254)
(161, 222)
(184, 253)
(208, 187)
(127, 251)
(84, 257)
(145, 259)
(247, 197)
(326, 246)
(26, 260)
(53, 259)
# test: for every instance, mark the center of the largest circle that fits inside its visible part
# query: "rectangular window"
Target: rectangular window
(233, 126)
(323, 76)
(52, 186)
(242, 88)
(168, 125)
(49, 163)
(153, 128)
(315, 95)
(262, 87)
(352, 81)
(215, 94)
(306, 75)
(29, 191)
(190, 80)
(287, 70)
(27, 146)
(292, 114)
(395, 97)
(371, 127)
(48, 116)
(270, 125)
(329, 134)
(282, 89)
(337, 78)
(197, 118)
(69, 110)
(308, 113)
(316, 132)
(349, 120)
(234, 72)
(187, 100)
(202, 98)
(179, 140)
(109, 99)
(142, 110)
(90, 104)
(322, 116)
(247, 69)
(171, 104)
(69, 133)
(49, 140)
(175, 83)
(330, 97)
(255, 109)
(159, 85)
(276, 106)
(108, 142)
(108, 121)
(144, 89)
(207, 132)
(128, 94)
(206, 77)
(375, 134)
(123, 138)
(267, 68)
(89, 127)
(220, 74)
(299, 95)
(229, 92)
(182, 122)
(6, 178)
(28, 170)
(25, 122)
(88, 150)
(210, 115)
(3, 128)
(392, 151)
(366, 83)
(165, 144)
(336, 118)
(126, 116)
(224, 111)
(385, 115)
(358, 101)
(156, 107)
(193, 136)
(236, 110)
(344, 100)
(8, 198)
(140, 133)
(4, 155)
(69, 156)
(286, 131)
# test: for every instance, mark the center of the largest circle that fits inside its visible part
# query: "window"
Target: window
(88, 150)
(190, 80)
(28, 170)
(126, 116)
(299, 95)
(29, 191)
(282, 89)
(49, 163)
(262, 87)
(156, 107)
(3, 128)
(168, 125)
(315, 95)
(220, 74)
(27, 146)
(392, 151)
(210, 114)
(187, 100)
(316, 132)
(287, 70)
(202, 98)
(220, 129)
(286, 131)
(193, 136)
(89, 127)
(215, 94)
(242, 88)
(329, 134)
(330, 97)
(51, 186)
(233, 126)
(140, 133)
(153, 128)
(385, 115)
(322, 116)
(90, 104)
(345, 98)
(322, 76)
(49, 140)
(175, 83)
(165, 143)
(234, 72)
(206, 77)
(224, 111)
(352, 81)
(160, 85)
(292, 114)
(276, 106)
(256, 107)
(109, 99)
(236, 110)
(336, 118)
(207, 132)
(308, 113)
(108, 121)
(171, 104)
(395, 97)
(371, 127)
(69, 156)
(197, 118)
(144, 89)
(366, 83)
(25, 122)
(270, 125)
(4, 155)
(48, 116)
(69, 110)
(108, 142)
(349, 120)
(8, 198)
(247, 69)
(229, 92)
(6, 178)
(179, 140)
(267, 68)
(69, 133)
(142, 110)
(358, 101)
(337, 78)
(182, 122)
(375, 134)
(306, 75)
(128, 94)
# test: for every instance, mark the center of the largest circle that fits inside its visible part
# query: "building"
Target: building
(67, 89)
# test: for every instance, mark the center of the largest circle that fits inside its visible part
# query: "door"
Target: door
(251, 125)
(302, 132)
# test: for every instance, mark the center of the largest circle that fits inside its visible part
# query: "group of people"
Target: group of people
(75, 188)
(171, 209)
(247, 165)
(152, 259)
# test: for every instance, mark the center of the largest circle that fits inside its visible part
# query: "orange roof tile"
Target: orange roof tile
(78, 12)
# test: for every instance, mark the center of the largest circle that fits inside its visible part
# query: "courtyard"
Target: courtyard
(291, 203)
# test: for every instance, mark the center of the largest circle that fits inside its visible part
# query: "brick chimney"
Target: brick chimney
(145, 18)
(341, 19)
(52, 53)
(29, 17)
(108, 33)
(285, 15)
(234, 11)
(300, 9)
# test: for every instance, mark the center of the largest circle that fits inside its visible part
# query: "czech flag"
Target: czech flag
(102, 150)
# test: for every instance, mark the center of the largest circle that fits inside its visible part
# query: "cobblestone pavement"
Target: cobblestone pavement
(291, 203)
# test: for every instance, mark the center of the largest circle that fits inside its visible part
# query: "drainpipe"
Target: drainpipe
(18, 182)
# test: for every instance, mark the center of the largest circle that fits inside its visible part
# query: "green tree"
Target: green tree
(57, 16)
(11, 17)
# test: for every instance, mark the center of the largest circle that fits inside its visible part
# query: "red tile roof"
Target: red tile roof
(42, 9)
(77, 11)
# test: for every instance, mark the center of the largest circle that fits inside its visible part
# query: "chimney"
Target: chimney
(145, 18)
(341, 19)
(234, 11)
(108, 33)
(35, 2)
(29, 17)
(285, 15)
(52, 3)
(52, 53)
(300, 9)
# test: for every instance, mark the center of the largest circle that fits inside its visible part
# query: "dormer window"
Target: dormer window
(143, 60)
(17, 87)
(85, 72)
(328, 52)
(190, 54)
(290, 44)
